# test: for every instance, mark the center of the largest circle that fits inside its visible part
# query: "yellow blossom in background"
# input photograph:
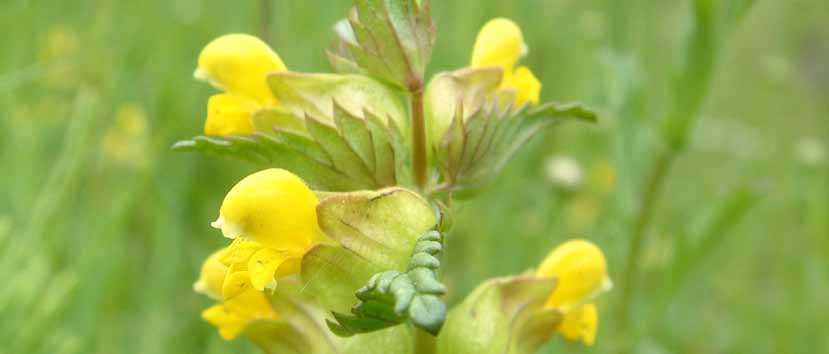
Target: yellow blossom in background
(239, 65)
(61, 42)
(581, 270)
(59, 56)
(603, 176)
(271, 215)
(126, 140)
(501, 44)
(232, 315)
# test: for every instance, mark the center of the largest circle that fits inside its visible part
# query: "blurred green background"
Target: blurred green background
(103, 228)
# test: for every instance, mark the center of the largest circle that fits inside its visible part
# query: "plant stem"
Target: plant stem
(653, 188)
(418, 136)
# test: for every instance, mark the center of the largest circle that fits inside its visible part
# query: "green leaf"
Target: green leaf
(379, 226)
(266, 151)
(340, 152)
(502, 315)
(265, 120)
(553, 112)
(477, 146)
(390, 39)
(358, 135)
(339, 55)
(384, 150)
(304, 93)
(346, 153)
(332, 274)
(470, 88)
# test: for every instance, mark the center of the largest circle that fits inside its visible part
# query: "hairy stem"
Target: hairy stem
(418, 136)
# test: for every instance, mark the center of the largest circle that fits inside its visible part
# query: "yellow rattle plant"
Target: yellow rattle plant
(336, 243)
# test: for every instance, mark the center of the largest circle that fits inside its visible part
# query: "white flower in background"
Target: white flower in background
(564, 171)
(811, 151)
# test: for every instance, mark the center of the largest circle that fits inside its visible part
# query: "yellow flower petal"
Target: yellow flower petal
(526, 85)
(251, 304)
(230, 325)
(212, 275)
(289, 266)
(499, 43)
(274, 208)
(234, 315)
(235, 284)
(580, 324)
(230, 114)
(581, 270)
(239, 64)
(239, 252)
(263, 265)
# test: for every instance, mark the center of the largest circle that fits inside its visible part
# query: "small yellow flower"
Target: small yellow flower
(126, 140)
(581, 271)
(239, 65)
(233, 315)
(501, 44)
(271, 215)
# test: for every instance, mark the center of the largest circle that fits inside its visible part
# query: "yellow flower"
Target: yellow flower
(581, 271)
(501, 44)
(239, 65)
(233, 315)
(126, 140)
(271, 215)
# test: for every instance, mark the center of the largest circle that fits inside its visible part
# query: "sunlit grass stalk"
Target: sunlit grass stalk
(66, 168)
(653, 188)
(690, 88)
(709, 237)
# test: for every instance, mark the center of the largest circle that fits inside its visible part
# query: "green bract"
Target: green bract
(502, 315)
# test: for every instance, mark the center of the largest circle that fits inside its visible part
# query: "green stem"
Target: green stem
(653, 188)
(418, 136)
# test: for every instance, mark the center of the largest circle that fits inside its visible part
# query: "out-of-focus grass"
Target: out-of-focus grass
(102, 228)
